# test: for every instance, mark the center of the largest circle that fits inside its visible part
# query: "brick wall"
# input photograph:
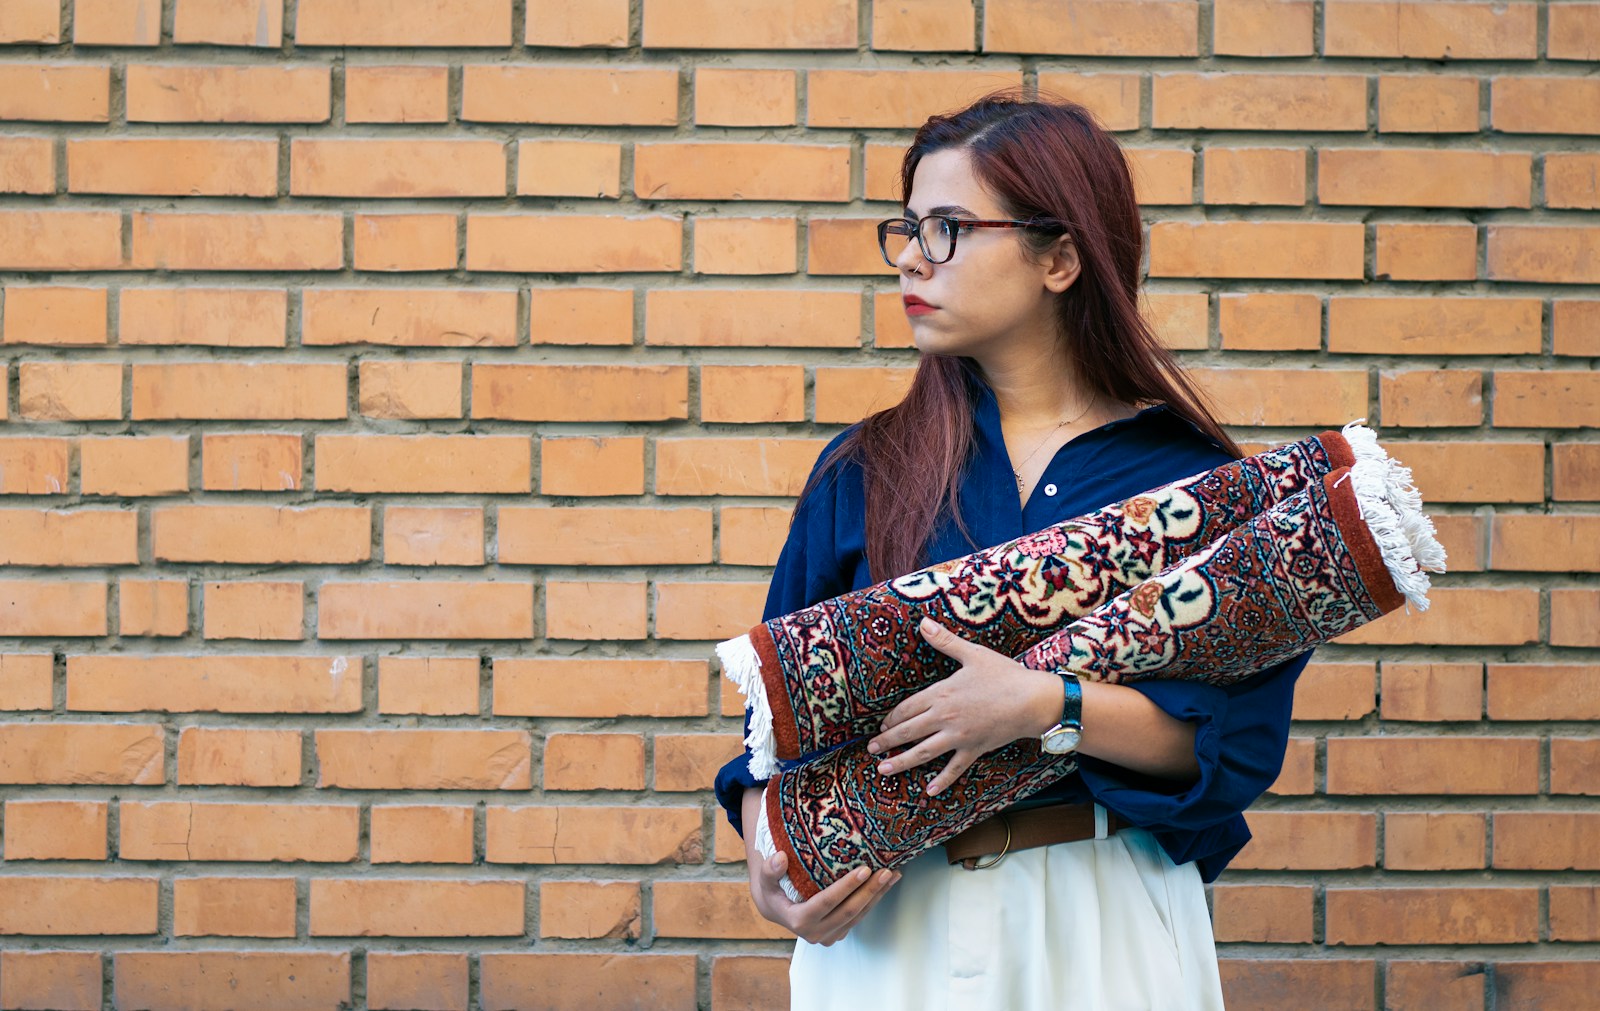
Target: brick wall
(402, 395)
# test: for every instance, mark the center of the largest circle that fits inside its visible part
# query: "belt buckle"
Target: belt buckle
(980, 865)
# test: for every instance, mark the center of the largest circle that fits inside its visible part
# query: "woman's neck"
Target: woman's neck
(1035, 389)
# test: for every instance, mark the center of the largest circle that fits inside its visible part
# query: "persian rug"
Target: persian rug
(1347, 547)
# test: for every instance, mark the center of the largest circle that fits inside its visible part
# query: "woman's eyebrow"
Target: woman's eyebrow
(941, 209)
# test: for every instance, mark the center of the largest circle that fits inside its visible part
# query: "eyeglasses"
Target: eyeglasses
(936, 234)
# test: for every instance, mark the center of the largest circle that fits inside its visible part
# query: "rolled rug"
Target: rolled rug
(1346, 550)
(827, 673)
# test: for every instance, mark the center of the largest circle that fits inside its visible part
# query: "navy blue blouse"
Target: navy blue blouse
(1241, 730)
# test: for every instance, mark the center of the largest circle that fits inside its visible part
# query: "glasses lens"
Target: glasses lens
(893, 237)
(939, 238)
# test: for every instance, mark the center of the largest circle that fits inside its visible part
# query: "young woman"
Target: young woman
(1040, 395)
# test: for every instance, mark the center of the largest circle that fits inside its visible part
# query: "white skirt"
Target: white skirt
(1099, 924)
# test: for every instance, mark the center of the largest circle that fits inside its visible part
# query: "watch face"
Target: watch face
(1061, 740)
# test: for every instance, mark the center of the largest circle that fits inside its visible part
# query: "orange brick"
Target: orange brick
(1434, 986)
(485, 464)
(573, 243)
(239, 317)
(1285, 397)
(1262, 28)
(1574, 765)
(252, 534)
(153, 607)
(595, 610)
(580, 392)
(185, 93)
(1270, 322)
(223, 756)
(1464, 31)
(1262, 913)
(1464, 541)
(686, 762)
(1574, 32)
(1432, 691)
(26, 681)
(576, 95)
(56, 829)
(594, 762)
(77, 905)
(393, 169)
(591, 465)
(173, 166)
(1334, 691)
(733, 24)
(1546, 104)
(27, 165)
(744, 246)
(1161, 175)
(882, 171)
(1266, 175)
(844, 246)
(580, 316)
(1092, 28)
(69, 391)
(397, 981)
(707, 610)
(894, 98)
(1546, 399)
(428, 685)
(50, 92)
(418, 907)
(1575, 471)
(410, 390)
(25, 21)
(727, 846)
(466, 317)
(425, 610)
(846, 395)
(307, 978)
(1456, 766)
(1459, 616)
(56, 608)
(1575, 617)
(248, 24)
(1256, 249)
(728, 96)
(598, 688)
(891, 328)
(424, 759)
(752, 393)
(70, 753)
(1552, 255)
(400, 242)
(1544, 984)
(1423, 178)
(1547, 840)
(773, 467)
(1427, 398)
(416, 834)
(233, 907)
(752, 535)
(923, 26)
(1433, 841)
(1112, 98)
(1415, 252)
(708, 317)
(256, 391)
(589, 909)
(426, 535)
(1427, 103)
(1545, 543)
(587, 981)
(1309, 840)
(52, 315)
(1324, 103)
(391, 23)
(1475, 471)
(1434, 326)
(568, 168)
(66, 980)
(269, 241)
(111, 683)
(397, 94)
(113, 23)
(81, 537)
(1572, 181)
(250, 462)
(1574, 913)
(589, 834)
(688, 170)
(1265, 984)
(589, 536)
(1400, 915)
(1544, 691)
(255, 610)
(59, 240)
(1179, 320)
(720, 909)
(599, 23)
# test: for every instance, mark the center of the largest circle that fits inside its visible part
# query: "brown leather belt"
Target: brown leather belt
(1025, 829)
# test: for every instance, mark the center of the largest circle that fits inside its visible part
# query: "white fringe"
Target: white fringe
(742, 666)
(767, 848)
(1404, 535)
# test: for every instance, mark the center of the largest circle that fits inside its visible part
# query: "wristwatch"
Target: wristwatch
(1063, 738)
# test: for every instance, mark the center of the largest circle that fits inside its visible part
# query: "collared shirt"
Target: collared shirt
(1241, 730)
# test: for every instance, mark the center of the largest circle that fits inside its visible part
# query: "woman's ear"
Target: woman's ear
(1062, 265)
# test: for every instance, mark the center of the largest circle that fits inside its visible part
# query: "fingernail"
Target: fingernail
(884, 768)
(872, 749)
(863, 873)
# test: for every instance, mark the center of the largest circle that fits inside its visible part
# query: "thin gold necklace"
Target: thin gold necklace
(1017, 470)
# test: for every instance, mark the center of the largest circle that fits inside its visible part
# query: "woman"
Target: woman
(1040, 395)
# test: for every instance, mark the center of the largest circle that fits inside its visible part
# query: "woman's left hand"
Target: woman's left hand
(989, 702)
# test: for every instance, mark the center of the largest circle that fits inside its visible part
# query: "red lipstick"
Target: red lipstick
(916, 306)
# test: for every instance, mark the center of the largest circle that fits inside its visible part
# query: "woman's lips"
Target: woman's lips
(916, 306)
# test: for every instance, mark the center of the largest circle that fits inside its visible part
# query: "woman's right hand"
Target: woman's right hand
(825, 917)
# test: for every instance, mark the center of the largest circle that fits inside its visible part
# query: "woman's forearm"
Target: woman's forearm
(1123, 727)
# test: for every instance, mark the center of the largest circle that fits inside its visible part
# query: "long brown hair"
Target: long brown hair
(1046, 160)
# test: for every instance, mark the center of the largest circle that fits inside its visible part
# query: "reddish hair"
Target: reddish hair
(1045, 160)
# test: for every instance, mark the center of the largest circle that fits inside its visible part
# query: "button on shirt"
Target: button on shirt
(1241, 730)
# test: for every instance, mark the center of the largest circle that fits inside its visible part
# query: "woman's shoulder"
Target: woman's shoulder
(1156, 444)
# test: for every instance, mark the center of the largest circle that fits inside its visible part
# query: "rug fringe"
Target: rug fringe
(742, 666)
(767, 848)
(1404, 535)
